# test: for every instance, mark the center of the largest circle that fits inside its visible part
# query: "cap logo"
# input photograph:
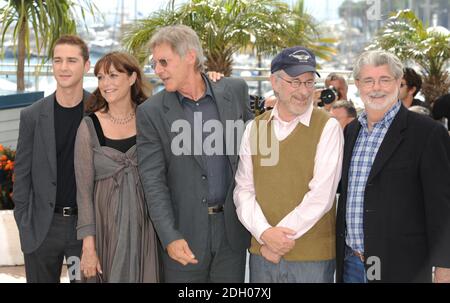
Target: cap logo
(301, 56)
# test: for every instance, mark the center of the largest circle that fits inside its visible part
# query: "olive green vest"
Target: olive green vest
(280, 188)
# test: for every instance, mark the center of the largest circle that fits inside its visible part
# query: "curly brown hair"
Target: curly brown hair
(124, 63)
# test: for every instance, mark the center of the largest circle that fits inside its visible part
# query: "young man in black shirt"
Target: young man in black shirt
(44, 189)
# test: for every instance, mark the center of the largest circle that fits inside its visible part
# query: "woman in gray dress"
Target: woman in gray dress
(119, 242)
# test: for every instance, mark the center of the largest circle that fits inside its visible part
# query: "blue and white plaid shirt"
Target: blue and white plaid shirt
(364, 152)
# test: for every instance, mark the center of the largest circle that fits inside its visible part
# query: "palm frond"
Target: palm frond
(227, 26)
(48, 19)
(406, 36)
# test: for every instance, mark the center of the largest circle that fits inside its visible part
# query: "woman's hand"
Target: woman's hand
(90, 264)
(214, 76)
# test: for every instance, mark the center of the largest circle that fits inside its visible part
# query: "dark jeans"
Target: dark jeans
(354, 271)
(221, 264)
(44, 265)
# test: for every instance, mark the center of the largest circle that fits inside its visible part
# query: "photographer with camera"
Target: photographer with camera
(336, 88)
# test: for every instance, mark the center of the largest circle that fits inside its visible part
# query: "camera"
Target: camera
(328, 96)
(257, 104)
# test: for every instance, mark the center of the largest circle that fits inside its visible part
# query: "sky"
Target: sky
(321, 9)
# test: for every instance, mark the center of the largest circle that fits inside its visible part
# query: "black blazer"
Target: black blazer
(407, 200)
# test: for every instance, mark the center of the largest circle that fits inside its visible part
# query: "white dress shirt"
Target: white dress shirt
(322, 187)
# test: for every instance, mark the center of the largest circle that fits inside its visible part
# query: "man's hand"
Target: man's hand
(179, 251)
(269, 255)
(442, 275)
(276, 239)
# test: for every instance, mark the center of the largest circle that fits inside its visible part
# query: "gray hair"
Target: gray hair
(181, 39)
(347, 105)
(379, 58)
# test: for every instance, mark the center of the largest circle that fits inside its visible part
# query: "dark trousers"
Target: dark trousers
(221, 264)
(44, 265)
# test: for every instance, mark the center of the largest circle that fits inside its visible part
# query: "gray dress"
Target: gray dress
(112, 208)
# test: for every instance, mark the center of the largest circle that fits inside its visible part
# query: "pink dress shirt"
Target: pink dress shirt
(322, 187)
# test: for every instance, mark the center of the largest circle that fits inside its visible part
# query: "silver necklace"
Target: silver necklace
(122, 120)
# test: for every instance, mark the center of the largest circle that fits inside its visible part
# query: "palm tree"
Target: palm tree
(47, 20)
(227, 26)
(405, 35)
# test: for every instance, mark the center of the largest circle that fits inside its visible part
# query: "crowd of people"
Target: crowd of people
(159, 188)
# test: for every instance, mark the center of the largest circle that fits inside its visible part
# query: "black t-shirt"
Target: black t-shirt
(67, 121)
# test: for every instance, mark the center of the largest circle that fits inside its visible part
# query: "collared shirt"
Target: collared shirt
(322, 187)
(217, 166)
(364, 153)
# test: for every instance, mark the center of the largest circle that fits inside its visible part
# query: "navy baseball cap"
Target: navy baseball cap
(294, 61)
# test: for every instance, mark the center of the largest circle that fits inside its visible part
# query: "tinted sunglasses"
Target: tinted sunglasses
(162, 62)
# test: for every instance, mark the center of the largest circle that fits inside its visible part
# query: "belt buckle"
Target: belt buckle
(212, 210)
(66, 211)
(359, 255)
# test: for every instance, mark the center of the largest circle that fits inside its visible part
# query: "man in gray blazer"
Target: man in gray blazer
(187, 159)
(44, 189)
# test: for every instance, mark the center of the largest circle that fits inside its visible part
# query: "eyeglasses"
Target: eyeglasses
(162, 62)
(370, 83)
(297, 83)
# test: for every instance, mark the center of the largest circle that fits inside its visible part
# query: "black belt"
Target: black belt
(215, 209)
(66, 211)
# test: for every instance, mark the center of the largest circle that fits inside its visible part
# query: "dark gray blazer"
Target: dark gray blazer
(175, 186)
(34, 192)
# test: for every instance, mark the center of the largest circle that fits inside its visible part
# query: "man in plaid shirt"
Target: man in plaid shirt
(393, 220)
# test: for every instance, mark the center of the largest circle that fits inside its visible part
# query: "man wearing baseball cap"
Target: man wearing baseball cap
(289, 206)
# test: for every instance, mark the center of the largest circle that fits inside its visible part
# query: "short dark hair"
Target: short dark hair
(347, 105)
(412, 79)
(76, 41)
(441, 107)
(123, 63)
